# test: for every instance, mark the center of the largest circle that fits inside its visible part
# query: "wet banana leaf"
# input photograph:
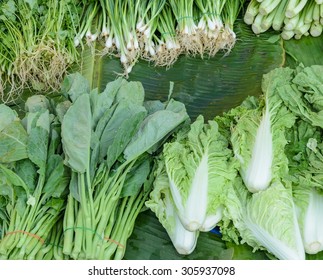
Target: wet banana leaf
(308, 51)
(207, 86)
(149, 241)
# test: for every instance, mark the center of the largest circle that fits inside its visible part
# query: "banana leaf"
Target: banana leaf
(308, 51)
(207, 86)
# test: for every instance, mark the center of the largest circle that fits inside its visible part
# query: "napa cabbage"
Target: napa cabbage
(265, 220)
(199, 167)
(303, 95)
(162, 204)
(258, 135)
(309, 202)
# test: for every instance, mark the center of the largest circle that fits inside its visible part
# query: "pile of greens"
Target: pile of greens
(34, 180)
(37, 44)
(109, 148)
(75, 175)
(255, 171)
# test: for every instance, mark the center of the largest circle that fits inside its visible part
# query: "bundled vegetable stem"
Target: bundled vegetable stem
(109, 155)
(292, 17)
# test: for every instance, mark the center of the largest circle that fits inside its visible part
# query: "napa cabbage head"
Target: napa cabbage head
(162, 204)
(199, 167)
(258, 135)
(265, 220)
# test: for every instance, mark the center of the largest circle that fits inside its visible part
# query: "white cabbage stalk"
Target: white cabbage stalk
(212, 220)
(258, 136)
(193, 211)
(162, 204)
(183, 240)
(310, 206)
(313, 224)
(199, 170)
(257, 177)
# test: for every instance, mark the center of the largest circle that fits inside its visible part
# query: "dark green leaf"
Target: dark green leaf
(100, 102)
(124, 114)
(37, 148)
(21, 204)
(7, 116)
(123, 135)
(13, 178)
(76, 134)
(131, 92)
(74, 187)
(27, 171)
(155, 127)
(75, 85)
(136, 178)
(54, 175)
(13, 141)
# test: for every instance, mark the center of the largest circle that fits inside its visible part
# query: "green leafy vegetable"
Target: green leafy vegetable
(264, 220)
(107, 148)
(162, 204)
(258, 135)
(199, 170)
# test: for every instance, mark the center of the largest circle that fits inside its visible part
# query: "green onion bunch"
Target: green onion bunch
(37, 44)
(294, 18)
(158, 31)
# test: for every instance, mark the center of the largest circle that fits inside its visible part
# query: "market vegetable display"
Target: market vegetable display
(293, 18)
(72, 185)
(78, 167)
(294, 192)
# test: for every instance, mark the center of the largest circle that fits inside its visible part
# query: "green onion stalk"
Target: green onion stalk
(168, 48)
(186, 27)
(122, 40)
(230, 13)
(150, 17)
(87, 20)
(210, 25)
